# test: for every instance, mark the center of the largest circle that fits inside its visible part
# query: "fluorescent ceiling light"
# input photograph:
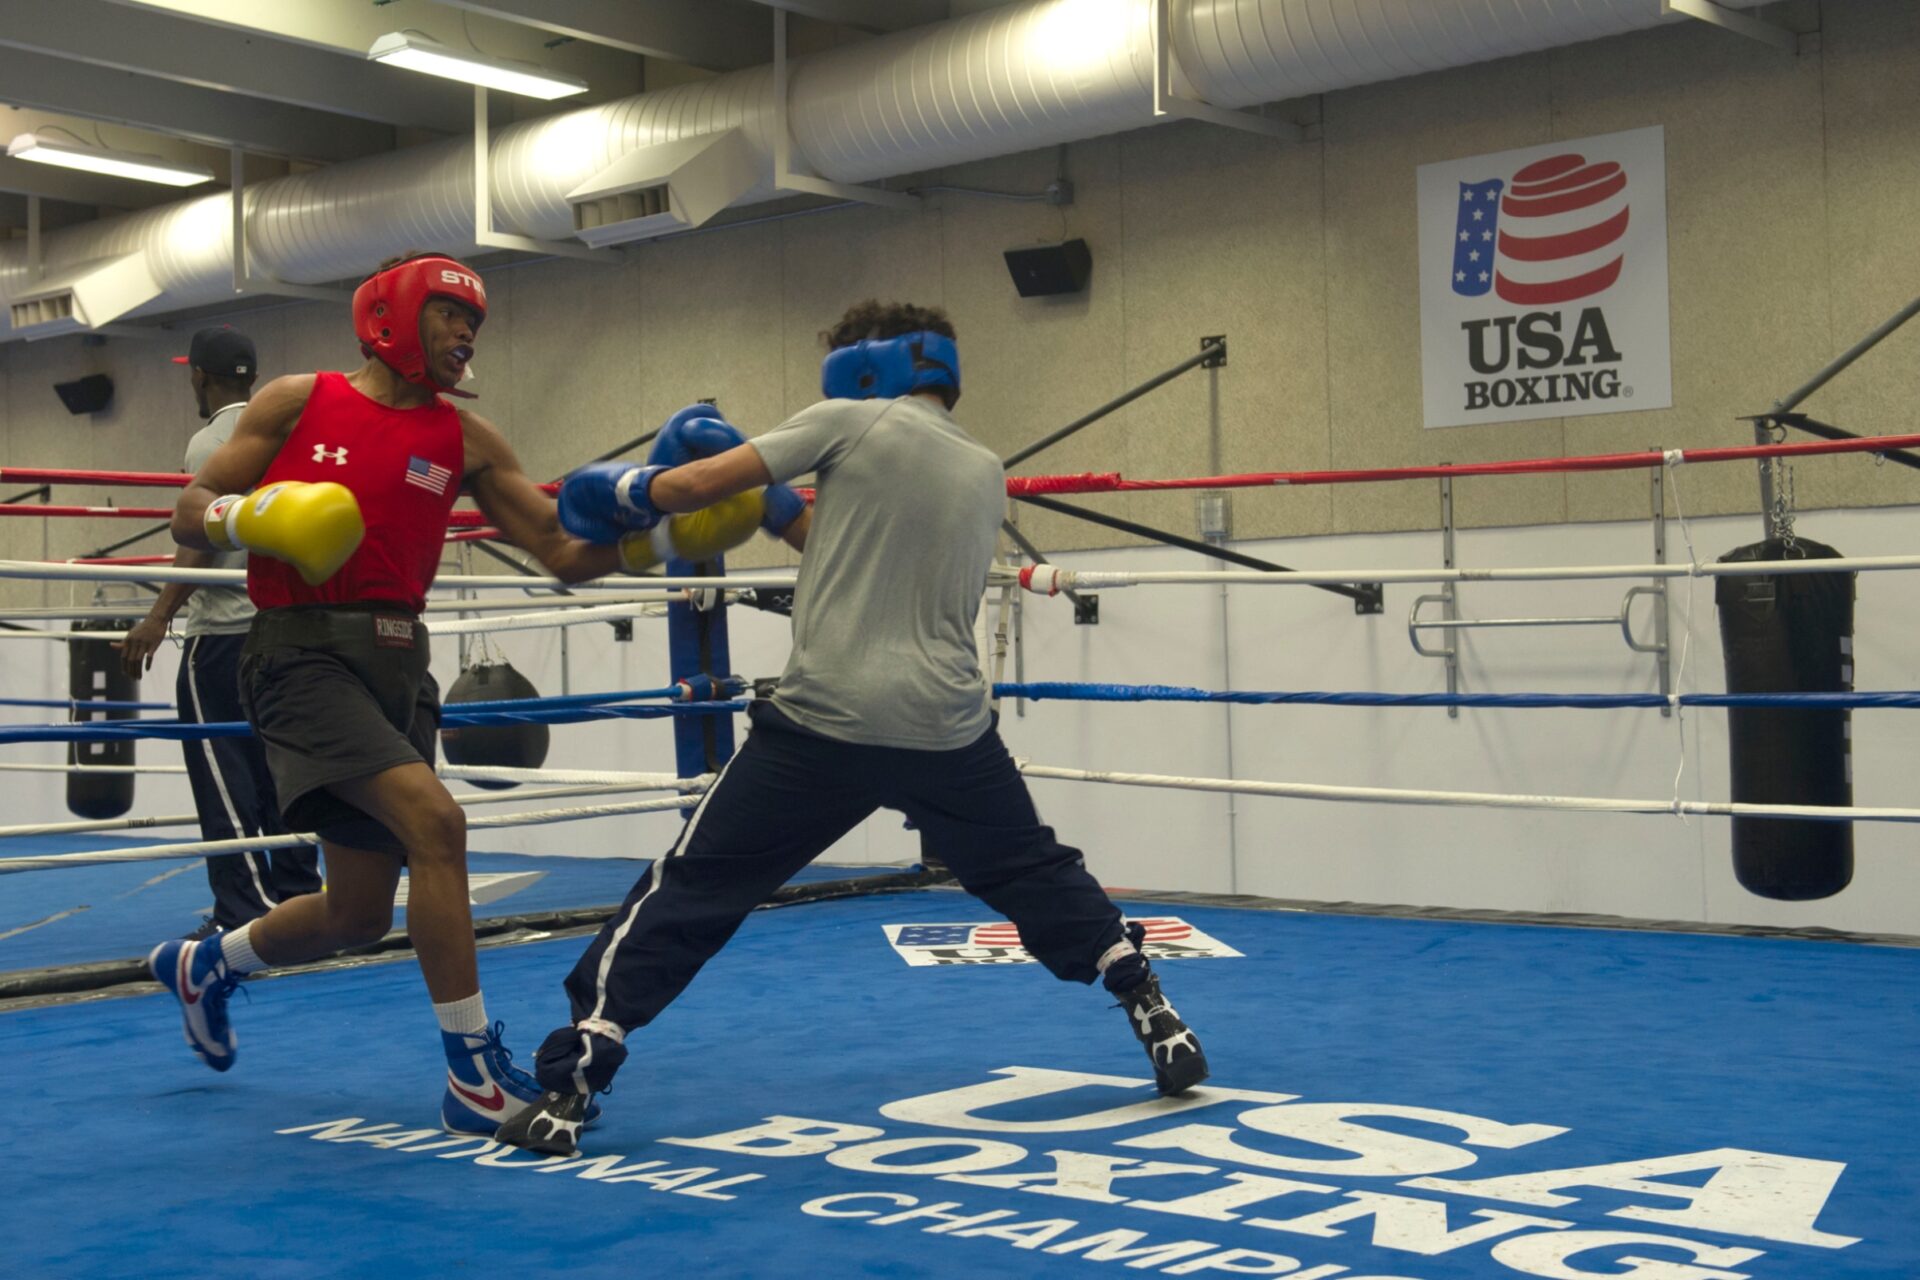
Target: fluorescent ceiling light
(417, 53)
(114, 164)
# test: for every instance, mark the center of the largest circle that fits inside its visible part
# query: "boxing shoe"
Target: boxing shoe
(484, 1088)
(551, 1126)
(196, 973)
(1178, 1061)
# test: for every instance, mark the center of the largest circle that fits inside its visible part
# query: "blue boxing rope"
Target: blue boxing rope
(580, 707)
(1069, 691)
(174, 730)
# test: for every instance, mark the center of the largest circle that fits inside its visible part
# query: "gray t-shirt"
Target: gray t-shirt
(217, 611)
(906, 516)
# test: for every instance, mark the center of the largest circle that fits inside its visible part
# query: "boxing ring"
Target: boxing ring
(873, 1079)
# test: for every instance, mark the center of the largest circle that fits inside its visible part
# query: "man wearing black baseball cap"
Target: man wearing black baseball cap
(231, 787)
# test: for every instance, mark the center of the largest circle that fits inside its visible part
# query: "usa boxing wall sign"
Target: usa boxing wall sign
(1543, 281)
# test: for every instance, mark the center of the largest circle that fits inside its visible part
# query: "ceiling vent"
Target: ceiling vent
(670, 186)
(80, 298)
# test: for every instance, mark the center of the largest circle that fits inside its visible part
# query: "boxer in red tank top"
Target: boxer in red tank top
(335, 676)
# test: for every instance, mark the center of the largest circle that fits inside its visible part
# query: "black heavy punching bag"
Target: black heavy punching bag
(1789, 633)
(513, 746)
(94, 674)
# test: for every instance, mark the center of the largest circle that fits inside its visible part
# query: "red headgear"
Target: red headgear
(387, 306)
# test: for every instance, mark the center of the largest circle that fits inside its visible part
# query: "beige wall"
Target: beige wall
(1794, 189)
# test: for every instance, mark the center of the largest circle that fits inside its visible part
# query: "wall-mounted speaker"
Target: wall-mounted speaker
(87, 395)
(1051, 269)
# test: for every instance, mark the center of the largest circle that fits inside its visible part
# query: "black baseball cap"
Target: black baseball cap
(222, 351)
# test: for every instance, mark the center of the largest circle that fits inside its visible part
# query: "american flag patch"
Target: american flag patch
(430, 476)
(1168, 938)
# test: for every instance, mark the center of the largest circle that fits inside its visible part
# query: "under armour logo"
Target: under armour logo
(321, 453)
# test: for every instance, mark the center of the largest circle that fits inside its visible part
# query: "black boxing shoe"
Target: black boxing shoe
(551, 1126)
(1178, 1061)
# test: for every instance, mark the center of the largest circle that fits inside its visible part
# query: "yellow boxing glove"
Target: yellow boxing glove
(696, 535)
(313, 527)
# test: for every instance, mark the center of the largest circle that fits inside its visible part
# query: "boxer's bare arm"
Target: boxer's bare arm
(237, 465)
(523, 511)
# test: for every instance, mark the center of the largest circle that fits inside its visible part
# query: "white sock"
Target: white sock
(466, 1017)
(236, 945)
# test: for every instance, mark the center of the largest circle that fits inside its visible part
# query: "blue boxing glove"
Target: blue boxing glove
(697, 431)
(604, 500)
(783, 507)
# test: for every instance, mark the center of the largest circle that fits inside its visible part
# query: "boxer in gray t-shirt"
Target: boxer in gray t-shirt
(906, 516)
(883, 705)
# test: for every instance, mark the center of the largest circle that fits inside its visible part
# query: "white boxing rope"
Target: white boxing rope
(1052, 579)
(92, 768)
(547, 618)
(102, 824)
(1473, 799)
(465, 800)
(201, 848)
(477, 604)
(39, 571)
(632, 781)
(468, 626)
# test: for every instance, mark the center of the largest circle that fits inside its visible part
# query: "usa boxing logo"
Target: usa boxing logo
(1551, 253)
(1168, 938)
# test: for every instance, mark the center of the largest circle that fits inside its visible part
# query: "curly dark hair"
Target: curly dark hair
(876, 319)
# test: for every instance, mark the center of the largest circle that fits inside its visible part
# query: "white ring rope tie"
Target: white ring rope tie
(1470, 799)
(1674, 458)
(200, 848)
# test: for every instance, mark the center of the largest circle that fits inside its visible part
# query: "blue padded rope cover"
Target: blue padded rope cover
(175, 731)
(1078, 692)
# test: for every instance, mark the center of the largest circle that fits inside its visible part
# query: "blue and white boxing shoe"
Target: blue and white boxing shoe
(484, 1088)
(196, 973)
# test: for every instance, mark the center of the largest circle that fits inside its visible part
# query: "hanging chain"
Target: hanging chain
(1783, 509)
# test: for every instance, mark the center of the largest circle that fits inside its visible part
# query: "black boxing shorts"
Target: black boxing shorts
(336, 692)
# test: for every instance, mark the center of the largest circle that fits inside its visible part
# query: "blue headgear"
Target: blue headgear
(888, 367)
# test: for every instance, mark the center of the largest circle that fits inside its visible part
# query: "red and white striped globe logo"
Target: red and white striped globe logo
(1561, 221)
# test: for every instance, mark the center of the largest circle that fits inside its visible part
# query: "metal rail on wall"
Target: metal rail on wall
(1452, 623)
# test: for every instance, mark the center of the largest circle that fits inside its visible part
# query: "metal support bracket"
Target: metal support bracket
(784, 178)
(1086, 611)
(1216, 357)
(483, 233)
(1733, 20)
(622, 630)
(33, 239)
(1451, 622)
(1169, 101)
(245, 283)
(1372, 598)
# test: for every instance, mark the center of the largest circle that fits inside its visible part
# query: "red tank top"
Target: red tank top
(403, 465)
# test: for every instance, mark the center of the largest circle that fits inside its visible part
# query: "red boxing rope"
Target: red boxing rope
(1112, 483)
(57, 475)
(132, 479)
(455, 519)
(1085, 482)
